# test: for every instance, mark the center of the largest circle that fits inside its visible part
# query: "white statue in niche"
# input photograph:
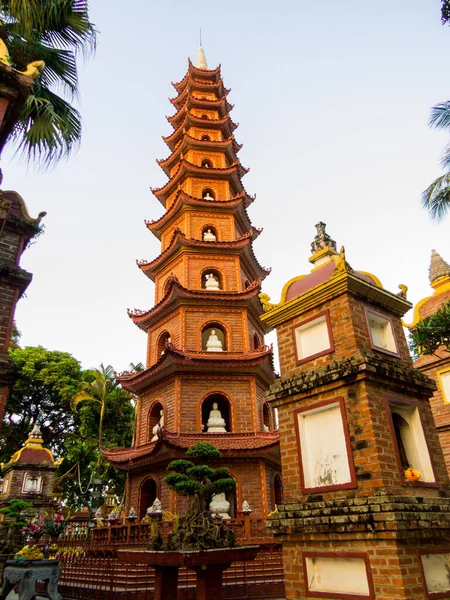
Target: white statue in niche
(208, 236)
(168, 343)
(156, 429)
(214, 344)
(207, 196)
(212, 283)
(219, 505)
(216, 423)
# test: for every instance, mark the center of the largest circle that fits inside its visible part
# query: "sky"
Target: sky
(333, 101)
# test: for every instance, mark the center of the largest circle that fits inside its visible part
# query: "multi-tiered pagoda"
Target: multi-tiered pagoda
(207, 366)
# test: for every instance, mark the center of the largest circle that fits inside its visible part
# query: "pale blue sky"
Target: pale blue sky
(333, 101)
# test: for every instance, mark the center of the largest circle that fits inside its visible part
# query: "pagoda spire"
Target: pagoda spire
(438, 267)
(201, 59)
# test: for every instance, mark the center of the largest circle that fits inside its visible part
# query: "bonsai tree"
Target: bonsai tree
(198, 529)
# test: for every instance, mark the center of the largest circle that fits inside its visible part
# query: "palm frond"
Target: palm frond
(60, 65)
(436, 198)
(82, 396)
(445, 158)
(49, 128)
(440, 116)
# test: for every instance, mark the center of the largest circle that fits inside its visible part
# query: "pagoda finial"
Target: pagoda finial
(438, 267)
(201, 60)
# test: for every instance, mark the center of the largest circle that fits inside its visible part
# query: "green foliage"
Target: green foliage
(436, 198)
(174, 478)
(180, 466)
(432, 333)
(445, 12)
(47, 382)
(200, 472)
(41, 394)
(18, 511)
(203, 450)
(49, 128)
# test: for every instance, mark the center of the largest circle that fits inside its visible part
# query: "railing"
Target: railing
(94, 578)
(107, 538)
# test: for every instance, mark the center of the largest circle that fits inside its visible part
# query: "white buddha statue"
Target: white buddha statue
(207, 196)
(212, 283)
(208, 236)
(214, 344)
(156, 429)
(215, 424)
(219, 505)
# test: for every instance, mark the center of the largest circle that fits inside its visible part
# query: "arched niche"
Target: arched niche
(210, 229)
(206, 274)
(219, 331)
(402, 430)
(163, 340)
(154, 417)
(267, 417)
(205, 138)
(147, 495)
(256, 341)
(208, 194)
(206, 163)
(204, 116)
(278, 494)
(246, 284)
(232, 499)
(223, 404)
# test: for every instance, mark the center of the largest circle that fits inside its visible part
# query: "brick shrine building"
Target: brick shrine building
(354, 416)
(205, 339)
(30, 474)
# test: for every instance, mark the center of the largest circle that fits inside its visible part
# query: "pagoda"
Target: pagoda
(207, 368)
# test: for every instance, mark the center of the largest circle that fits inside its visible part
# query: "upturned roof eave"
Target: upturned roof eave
(173, 361)
(182, 199)
(187, 168)
(196, 85)
(178, 294)
(221, 104)
(227, 145)
(179, 240)
(225, 124)
(230, 445)
(201, 73)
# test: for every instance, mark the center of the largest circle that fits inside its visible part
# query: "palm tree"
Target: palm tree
(101, 389)
(436, 198)
(55, 31)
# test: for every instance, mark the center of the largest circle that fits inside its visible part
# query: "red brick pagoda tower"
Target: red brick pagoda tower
(207, 366)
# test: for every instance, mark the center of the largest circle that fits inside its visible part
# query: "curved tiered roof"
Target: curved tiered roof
(179, 240)
(243, 445)
(177, 294)
(238, 205)
(230, 146)
(256, 362)
(207, 86)
(221, 105)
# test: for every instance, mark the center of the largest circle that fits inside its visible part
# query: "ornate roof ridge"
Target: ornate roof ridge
(178, 235)
(174, 285)
(229, 143)
(241, 443)
(200, 85)
(181, 195)
(133, 380)
(233, 168)
(193, 70)
(203, 122)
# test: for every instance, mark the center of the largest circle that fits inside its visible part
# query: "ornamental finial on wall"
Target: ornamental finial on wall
(322, 239)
